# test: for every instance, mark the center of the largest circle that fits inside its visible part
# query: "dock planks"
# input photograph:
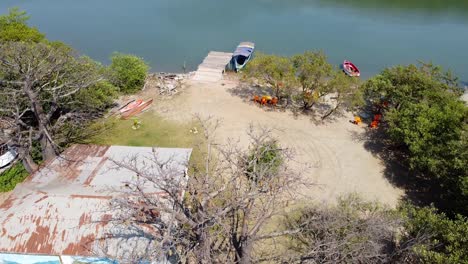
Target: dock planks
(212, 67)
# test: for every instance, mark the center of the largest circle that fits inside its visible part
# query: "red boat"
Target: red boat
(131, 105)
(136, 110)
(350, 69)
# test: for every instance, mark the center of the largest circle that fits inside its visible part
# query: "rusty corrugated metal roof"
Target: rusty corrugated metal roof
(63, 208)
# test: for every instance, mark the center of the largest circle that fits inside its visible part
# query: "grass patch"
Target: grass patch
(12, 176)
(153, 131)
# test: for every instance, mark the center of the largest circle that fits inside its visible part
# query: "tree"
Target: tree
(352, 231)
(13, 27)
(428, 121)
(318, 78)
(128, 72)
(274, 71)
(448, 240)
(38, 83)
(223, 212)
(313, 72)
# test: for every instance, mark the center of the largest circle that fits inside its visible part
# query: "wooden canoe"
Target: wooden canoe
(136, 110)
(131, 105)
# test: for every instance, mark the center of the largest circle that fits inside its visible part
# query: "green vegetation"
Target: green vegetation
(97, 98)
(153, 131)
(429, 123)
(13, 27)
(446, 239)
(305, 79)
(12, 176)
(264, 161)
(128, 72)
(274, 71)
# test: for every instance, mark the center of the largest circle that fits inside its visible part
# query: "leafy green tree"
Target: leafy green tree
(13, 27)
(428, 121)
(446, 239)
(128, 72)
(274, 71)
(313, 72)
(96, 98)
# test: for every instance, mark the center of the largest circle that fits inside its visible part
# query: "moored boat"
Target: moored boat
(7, 155)
(241, 56)
(350, 69)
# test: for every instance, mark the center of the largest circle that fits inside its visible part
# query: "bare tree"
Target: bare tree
(37, 85)
(353, 231)
(220, 212)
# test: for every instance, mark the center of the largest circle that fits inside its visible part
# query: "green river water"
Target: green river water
(373, 34)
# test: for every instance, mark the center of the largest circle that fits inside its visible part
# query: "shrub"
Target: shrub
(128, 72)
(264, 161)
(97, 98)
(12, 176)
(447, 240)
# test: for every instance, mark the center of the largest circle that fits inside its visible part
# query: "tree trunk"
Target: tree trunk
(47, 146)
(246, 252)
(204, 250)
(48, 150)
(29, 163)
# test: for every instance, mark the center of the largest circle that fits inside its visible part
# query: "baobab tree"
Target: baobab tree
(38, 82)
(226, 203)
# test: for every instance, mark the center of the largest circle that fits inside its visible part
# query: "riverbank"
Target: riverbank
(332, 157)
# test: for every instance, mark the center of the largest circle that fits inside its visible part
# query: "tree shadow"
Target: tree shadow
(419, 190)
(247, 92)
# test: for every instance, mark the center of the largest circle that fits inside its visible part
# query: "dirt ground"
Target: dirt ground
(334, 160)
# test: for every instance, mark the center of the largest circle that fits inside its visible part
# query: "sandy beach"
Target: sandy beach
(333, 157)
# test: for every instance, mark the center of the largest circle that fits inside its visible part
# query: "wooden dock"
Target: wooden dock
(212, 67)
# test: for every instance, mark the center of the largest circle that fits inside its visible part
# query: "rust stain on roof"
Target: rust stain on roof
(63, 208)
(90, 196)
(95, 171)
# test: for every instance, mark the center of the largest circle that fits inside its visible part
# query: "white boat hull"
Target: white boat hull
(7, 158)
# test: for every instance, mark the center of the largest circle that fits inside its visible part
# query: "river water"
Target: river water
(168, 33)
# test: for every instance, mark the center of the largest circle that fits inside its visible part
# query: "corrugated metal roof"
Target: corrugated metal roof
(63, 208)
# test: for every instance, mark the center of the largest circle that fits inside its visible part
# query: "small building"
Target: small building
(63, 209)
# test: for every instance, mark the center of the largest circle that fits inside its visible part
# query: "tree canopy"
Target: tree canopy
(128, 72)
(13, 27)
(428, 121)
(275, 71)
(38, 85)
(306, 79)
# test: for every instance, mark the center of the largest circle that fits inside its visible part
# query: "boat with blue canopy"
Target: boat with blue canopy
(241, 56)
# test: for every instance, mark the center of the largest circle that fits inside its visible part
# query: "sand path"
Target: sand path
(339, 164)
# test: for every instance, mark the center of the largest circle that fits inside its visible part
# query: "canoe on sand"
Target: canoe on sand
(136, 110)
(131, 105)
